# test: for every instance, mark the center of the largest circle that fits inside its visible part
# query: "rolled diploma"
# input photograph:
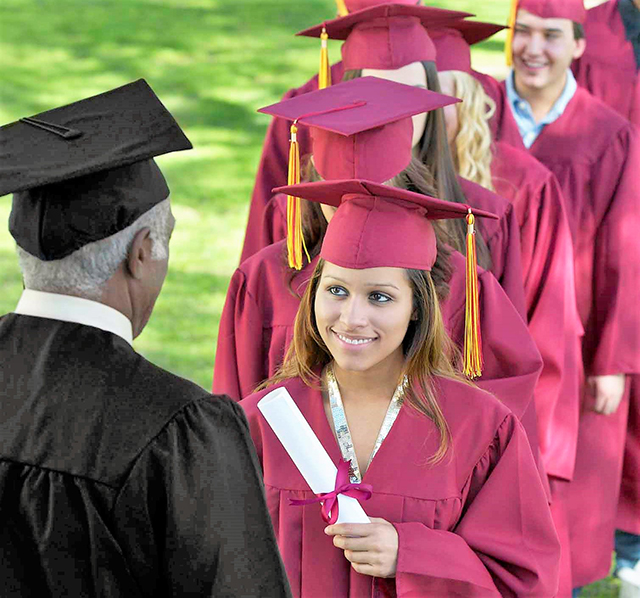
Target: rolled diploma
(306, 451)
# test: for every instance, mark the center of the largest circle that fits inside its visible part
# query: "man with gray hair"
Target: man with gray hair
(117, 478)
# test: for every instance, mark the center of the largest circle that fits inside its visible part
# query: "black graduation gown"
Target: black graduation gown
(118, 478)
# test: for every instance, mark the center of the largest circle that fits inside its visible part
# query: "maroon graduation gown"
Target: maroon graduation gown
(272, 170)
(548, 274)
(609, 71)
(257, 326)
(594, 153)
(608, 67)
(502, 236)
(475, 524)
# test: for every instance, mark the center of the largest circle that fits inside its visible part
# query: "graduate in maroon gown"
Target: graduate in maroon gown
(609, 66)
(609, 70)
(370, 370)
(272, 170)
(264, 292)
(547, 253)
(399, 48)
(593, 151)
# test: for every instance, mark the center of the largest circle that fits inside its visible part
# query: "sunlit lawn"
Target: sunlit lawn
(213, 64)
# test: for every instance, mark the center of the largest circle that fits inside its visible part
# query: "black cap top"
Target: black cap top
(83, 172)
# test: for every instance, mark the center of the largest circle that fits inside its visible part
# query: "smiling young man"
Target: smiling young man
(541, 84)
(593, 151)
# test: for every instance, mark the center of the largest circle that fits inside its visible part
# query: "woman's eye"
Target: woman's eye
(379, 298)
(337, 291)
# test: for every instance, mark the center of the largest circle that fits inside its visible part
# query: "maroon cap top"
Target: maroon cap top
(386, 36)
(356, 5)
(555, 9)
(360, 128)
(452, 43)
(379, 226)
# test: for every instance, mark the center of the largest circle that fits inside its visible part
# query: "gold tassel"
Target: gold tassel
(342, 8)
(472, 342)
(324, 75)
(295, 238)
(513, 11)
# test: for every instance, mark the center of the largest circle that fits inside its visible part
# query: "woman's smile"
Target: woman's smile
(353, 341)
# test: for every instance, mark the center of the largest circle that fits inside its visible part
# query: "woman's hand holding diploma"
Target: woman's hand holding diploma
(371, 548)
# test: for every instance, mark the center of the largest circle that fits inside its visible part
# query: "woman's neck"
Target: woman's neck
(374, 385)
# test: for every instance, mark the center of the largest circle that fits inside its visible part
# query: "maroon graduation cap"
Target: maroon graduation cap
(359, 129)
(380, 226)
(385, 36)
(356, 5)
(554, 9)
(453, 52)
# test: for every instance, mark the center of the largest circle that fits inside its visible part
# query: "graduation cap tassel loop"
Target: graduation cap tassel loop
(295, 238)
(59, 130)
(324, 74)
(473, 362)
(511, 24)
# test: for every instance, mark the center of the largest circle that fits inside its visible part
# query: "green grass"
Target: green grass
(213, 64)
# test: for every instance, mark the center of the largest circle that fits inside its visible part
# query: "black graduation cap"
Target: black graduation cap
(85, 171)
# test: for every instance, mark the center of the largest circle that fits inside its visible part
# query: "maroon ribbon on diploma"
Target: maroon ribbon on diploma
(329, 500)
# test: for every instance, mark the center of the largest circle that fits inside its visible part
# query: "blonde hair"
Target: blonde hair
(428, 351)
(473, 141)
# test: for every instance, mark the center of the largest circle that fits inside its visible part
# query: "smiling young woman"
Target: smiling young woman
(265, 292)
(370, 368)
(373, 328)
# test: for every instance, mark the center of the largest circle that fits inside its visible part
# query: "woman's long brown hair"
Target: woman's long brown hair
(427, 348)
(434, 152)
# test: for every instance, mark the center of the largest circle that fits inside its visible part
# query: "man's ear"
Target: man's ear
(581, 46)
(139, 253)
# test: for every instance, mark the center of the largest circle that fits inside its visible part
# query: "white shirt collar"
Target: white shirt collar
(74, 309)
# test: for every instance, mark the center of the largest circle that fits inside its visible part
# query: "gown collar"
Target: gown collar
(65, 308)
(342, 431)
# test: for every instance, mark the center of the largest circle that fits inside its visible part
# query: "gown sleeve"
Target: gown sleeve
(193, 509)
(512, 362)
(548, 269)
(504, 543)
(504, 245)
(612, 334)
(239, 365)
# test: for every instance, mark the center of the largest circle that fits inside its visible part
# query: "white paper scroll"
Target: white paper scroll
(306, 451)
